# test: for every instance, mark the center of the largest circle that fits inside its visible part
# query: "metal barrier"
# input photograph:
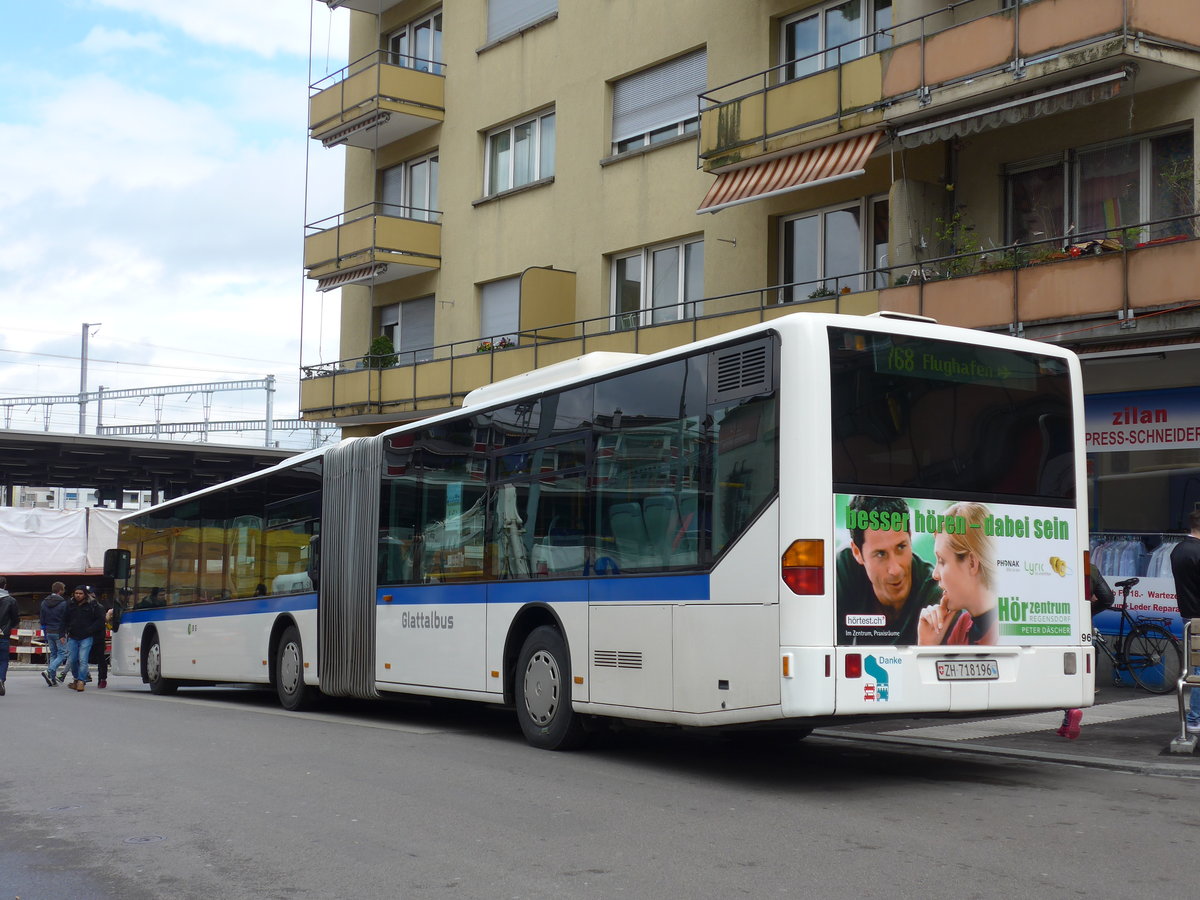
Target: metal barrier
(27, 645)
(1188, 682)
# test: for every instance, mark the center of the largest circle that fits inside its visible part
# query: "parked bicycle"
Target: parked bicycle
(1147, 650)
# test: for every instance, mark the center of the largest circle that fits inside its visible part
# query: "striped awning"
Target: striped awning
(351, 276)
(807, 168)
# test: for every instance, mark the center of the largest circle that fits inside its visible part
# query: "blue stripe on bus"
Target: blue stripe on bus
(247, 607)
(657, 589)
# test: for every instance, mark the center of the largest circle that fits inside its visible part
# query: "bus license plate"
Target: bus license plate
(967, 670)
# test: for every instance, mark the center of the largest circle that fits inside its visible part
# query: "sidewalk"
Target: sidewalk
(1127, 730)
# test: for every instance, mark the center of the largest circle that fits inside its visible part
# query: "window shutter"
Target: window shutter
(509, 16)
(500, 315)
(664, 95)
(416, 329)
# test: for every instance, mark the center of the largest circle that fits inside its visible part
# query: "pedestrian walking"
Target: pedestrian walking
(99, 654)
(1185, 566)
(53, 609)
(10, 618)
(79, 630)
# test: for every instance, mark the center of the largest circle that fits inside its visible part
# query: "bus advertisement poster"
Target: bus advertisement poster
(918, 571)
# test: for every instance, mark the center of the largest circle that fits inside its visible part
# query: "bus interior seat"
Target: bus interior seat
(629, 532)
(661, 517)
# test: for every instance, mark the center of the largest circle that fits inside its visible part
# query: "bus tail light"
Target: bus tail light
(803, 567)
(854, 665)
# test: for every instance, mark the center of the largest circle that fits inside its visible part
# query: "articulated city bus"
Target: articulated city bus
(811, 519)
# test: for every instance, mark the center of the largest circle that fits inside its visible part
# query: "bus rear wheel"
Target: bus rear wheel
(294, 694)
(154, 676)
(544, 692)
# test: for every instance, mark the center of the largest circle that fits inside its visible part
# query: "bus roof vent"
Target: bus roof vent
(532, 381)
(907, 317)
(741, 371)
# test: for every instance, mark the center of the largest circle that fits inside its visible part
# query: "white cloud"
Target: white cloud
(102, 41)
(97, 130)
(264, 27)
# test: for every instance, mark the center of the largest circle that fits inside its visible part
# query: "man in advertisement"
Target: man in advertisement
(882, 585)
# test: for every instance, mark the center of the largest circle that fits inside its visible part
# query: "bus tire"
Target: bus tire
(154, 676)
(543, 692)
(293, 693)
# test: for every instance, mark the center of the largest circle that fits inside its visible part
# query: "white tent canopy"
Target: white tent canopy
(56, 540)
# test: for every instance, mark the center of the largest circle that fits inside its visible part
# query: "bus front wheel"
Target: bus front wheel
(294, 694)
(544, 692)
(154, 675)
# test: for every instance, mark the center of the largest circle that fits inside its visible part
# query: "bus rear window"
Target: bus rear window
(948, 417)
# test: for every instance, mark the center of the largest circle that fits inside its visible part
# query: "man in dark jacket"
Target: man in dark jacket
(54, 608)
(80, 624)
(10, 617)
(1185, 566)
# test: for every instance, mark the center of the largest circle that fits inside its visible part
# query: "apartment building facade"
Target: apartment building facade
(529, 180)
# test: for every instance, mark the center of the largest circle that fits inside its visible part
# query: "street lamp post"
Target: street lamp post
(83, 356)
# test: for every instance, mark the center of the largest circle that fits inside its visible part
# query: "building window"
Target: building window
(418, 45)
(1105, 191)
(824, 251)
(832, 34)
(663, 283)
(1037, 200)
(410, 190)
(507, 17)
(659, 103)
(500, 312)
(409, 325)
(520, 154)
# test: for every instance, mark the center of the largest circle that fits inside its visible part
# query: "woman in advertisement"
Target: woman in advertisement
(965, 569)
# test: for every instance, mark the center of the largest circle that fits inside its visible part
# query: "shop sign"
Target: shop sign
(1142, 420)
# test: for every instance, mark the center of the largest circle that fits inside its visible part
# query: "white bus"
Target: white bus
(815, 519)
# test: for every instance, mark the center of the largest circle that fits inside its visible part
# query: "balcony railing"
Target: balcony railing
(842, 88)
(1104, 275)
(376, 100)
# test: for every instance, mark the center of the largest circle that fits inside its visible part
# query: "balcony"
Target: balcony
(1103, 291)
(374, 243)
(374, 7)
(964, 61)
(376, 100)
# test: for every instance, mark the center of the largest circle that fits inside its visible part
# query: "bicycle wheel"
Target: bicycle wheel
(1153, 657)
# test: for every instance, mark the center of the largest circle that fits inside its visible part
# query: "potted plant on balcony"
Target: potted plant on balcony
(381, 354)
(501, 344)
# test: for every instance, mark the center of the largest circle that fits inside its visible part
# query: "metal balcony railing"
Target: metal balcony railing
(375, 208)
(695, 319)
(374, 59)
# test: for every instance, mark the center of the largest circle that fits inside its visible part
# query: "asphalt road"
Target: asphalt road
(221, 794)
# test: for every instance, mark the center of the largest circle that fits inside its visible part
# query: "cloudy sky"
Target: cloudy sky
(153, 173)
